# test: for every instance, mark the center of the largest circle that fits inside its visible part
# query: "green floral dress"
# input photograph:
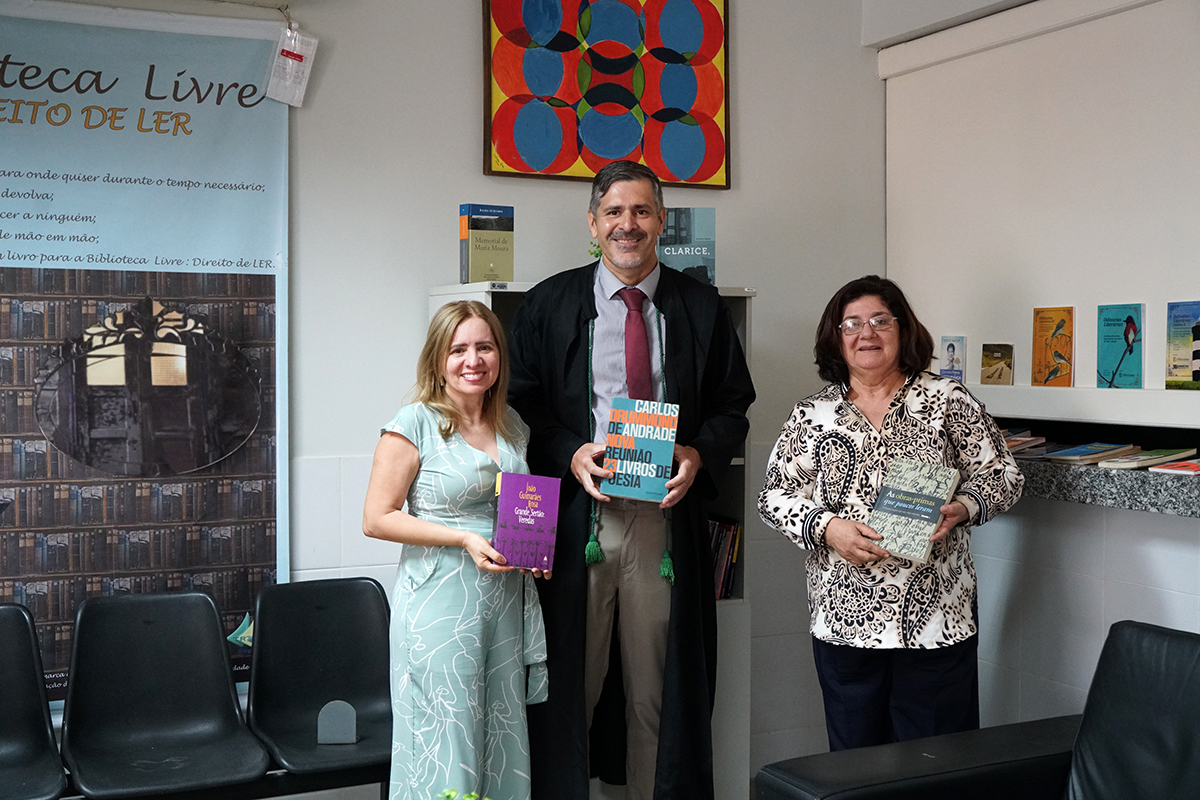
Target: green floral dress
(468, 647)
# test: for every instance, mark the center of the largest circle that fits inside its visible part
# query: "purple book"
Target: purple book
(526, 520)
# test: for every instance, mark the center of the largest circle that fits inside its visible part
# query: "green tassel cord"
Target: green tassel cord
(667, 568)
(592, 554)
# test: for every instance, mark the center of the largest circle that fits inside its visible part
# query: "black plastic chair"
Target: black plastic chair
(30, 768)
(317, 641)
(151, 706)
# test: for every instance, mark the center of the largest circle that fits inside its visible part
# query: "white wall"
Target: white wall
(1053, 577)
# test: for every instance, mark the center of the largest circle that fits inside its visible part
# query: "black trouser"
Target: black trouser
(875, 696)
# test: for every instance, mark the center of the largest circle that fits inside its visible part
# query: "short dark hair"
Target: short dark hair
(619, 171)
(916, 345)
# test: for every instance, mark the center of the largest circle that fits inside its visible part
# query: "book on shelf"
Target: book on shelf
(526, 519)
(1183, 345)
(1053, 346)
(954, 351)
(638, 448)
(996, 364)
(1119, 346)
(725, 540)
(1015, 444)
(908, 509)
(688, 242)
(1147, 458)
(1093, 453)
(1038, 452)
(1179, 468)
(485, 243)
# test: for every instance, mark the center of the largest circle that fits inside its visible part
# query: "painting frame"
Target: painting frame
(601, 101)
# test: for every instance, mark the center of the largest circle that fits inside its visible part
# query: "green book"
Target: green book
(1148, 458)
(908, 509)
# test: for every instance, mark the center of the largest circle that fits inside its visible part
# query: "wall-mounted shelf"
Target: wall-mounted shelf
(1175, 408)
(1133, 489)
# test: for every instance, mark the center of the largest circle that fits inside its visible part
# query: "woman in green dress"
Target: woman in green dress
(467, 641)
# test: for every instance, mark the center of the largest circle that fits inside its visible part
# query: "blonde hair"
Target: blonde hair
(431, 368)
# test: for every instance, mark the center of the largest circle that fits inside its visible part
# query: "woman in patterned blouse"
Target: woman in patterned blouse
(894, 640)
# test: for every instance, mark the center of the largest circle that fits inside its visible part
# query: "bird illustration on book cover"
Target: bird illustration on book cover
(1053, 346)
(1118, 347)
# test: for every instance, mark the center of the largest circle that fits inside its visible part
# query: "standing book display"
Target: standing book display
(996, 364)
(526, 520)
(1119, 346)
(1183, 345)
(908, 509)
(1053, 346)
(638, 448)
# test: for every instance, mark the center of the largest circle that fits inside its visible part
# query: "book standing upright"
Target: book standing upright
(1183, 345)
(1053, 346)
(1119, 346)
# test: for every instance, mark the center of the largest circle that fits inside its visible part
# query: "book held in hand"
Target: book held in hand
(1147, 458)
(909, 507)
(526, 519)
(1093, 453)
(639, 448)
(1179, 468)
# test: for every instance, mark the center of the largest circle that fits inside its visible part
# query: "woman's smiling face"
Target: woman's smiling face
(473, 365)
(870, 351)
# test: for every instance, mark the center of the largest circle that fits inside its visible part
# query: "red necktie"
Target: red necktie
(637, 346)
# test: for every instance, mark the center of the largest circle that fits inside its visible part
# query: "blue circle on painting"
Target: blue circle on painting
(610, 136)
(537, 134)
(543, 71)
(542, 18)
(682, 148)
(680, 27)
(677, 86)
(617, 22)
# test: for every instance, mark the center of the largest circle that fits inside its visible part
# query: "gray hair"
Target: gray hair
(619, 171)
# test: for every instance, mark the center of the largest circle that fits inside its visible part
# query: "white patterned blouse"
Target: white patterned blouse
(829, 462)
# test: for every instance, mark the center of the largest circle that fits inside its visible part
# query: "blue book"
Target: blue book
(639, 448)
(1119, 347)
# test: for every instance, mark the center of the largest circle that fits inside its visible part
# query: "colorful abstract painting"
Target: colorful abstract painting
(573, 85)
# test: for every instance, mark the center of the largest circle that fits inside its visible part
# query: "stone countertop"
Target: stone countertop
(1134, 489)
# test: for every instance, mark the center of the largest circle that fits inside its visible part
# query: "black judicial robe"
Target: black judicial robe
(706, 374)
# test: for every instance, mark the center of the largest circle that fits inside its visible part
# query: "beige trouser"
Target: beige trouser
(632, 534)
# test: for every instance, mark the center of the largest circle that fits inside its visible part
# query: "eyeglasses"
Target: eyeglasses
(879, 323)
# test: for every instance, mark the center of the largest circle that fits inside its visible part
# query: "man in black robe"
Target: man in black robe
(555, 386)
